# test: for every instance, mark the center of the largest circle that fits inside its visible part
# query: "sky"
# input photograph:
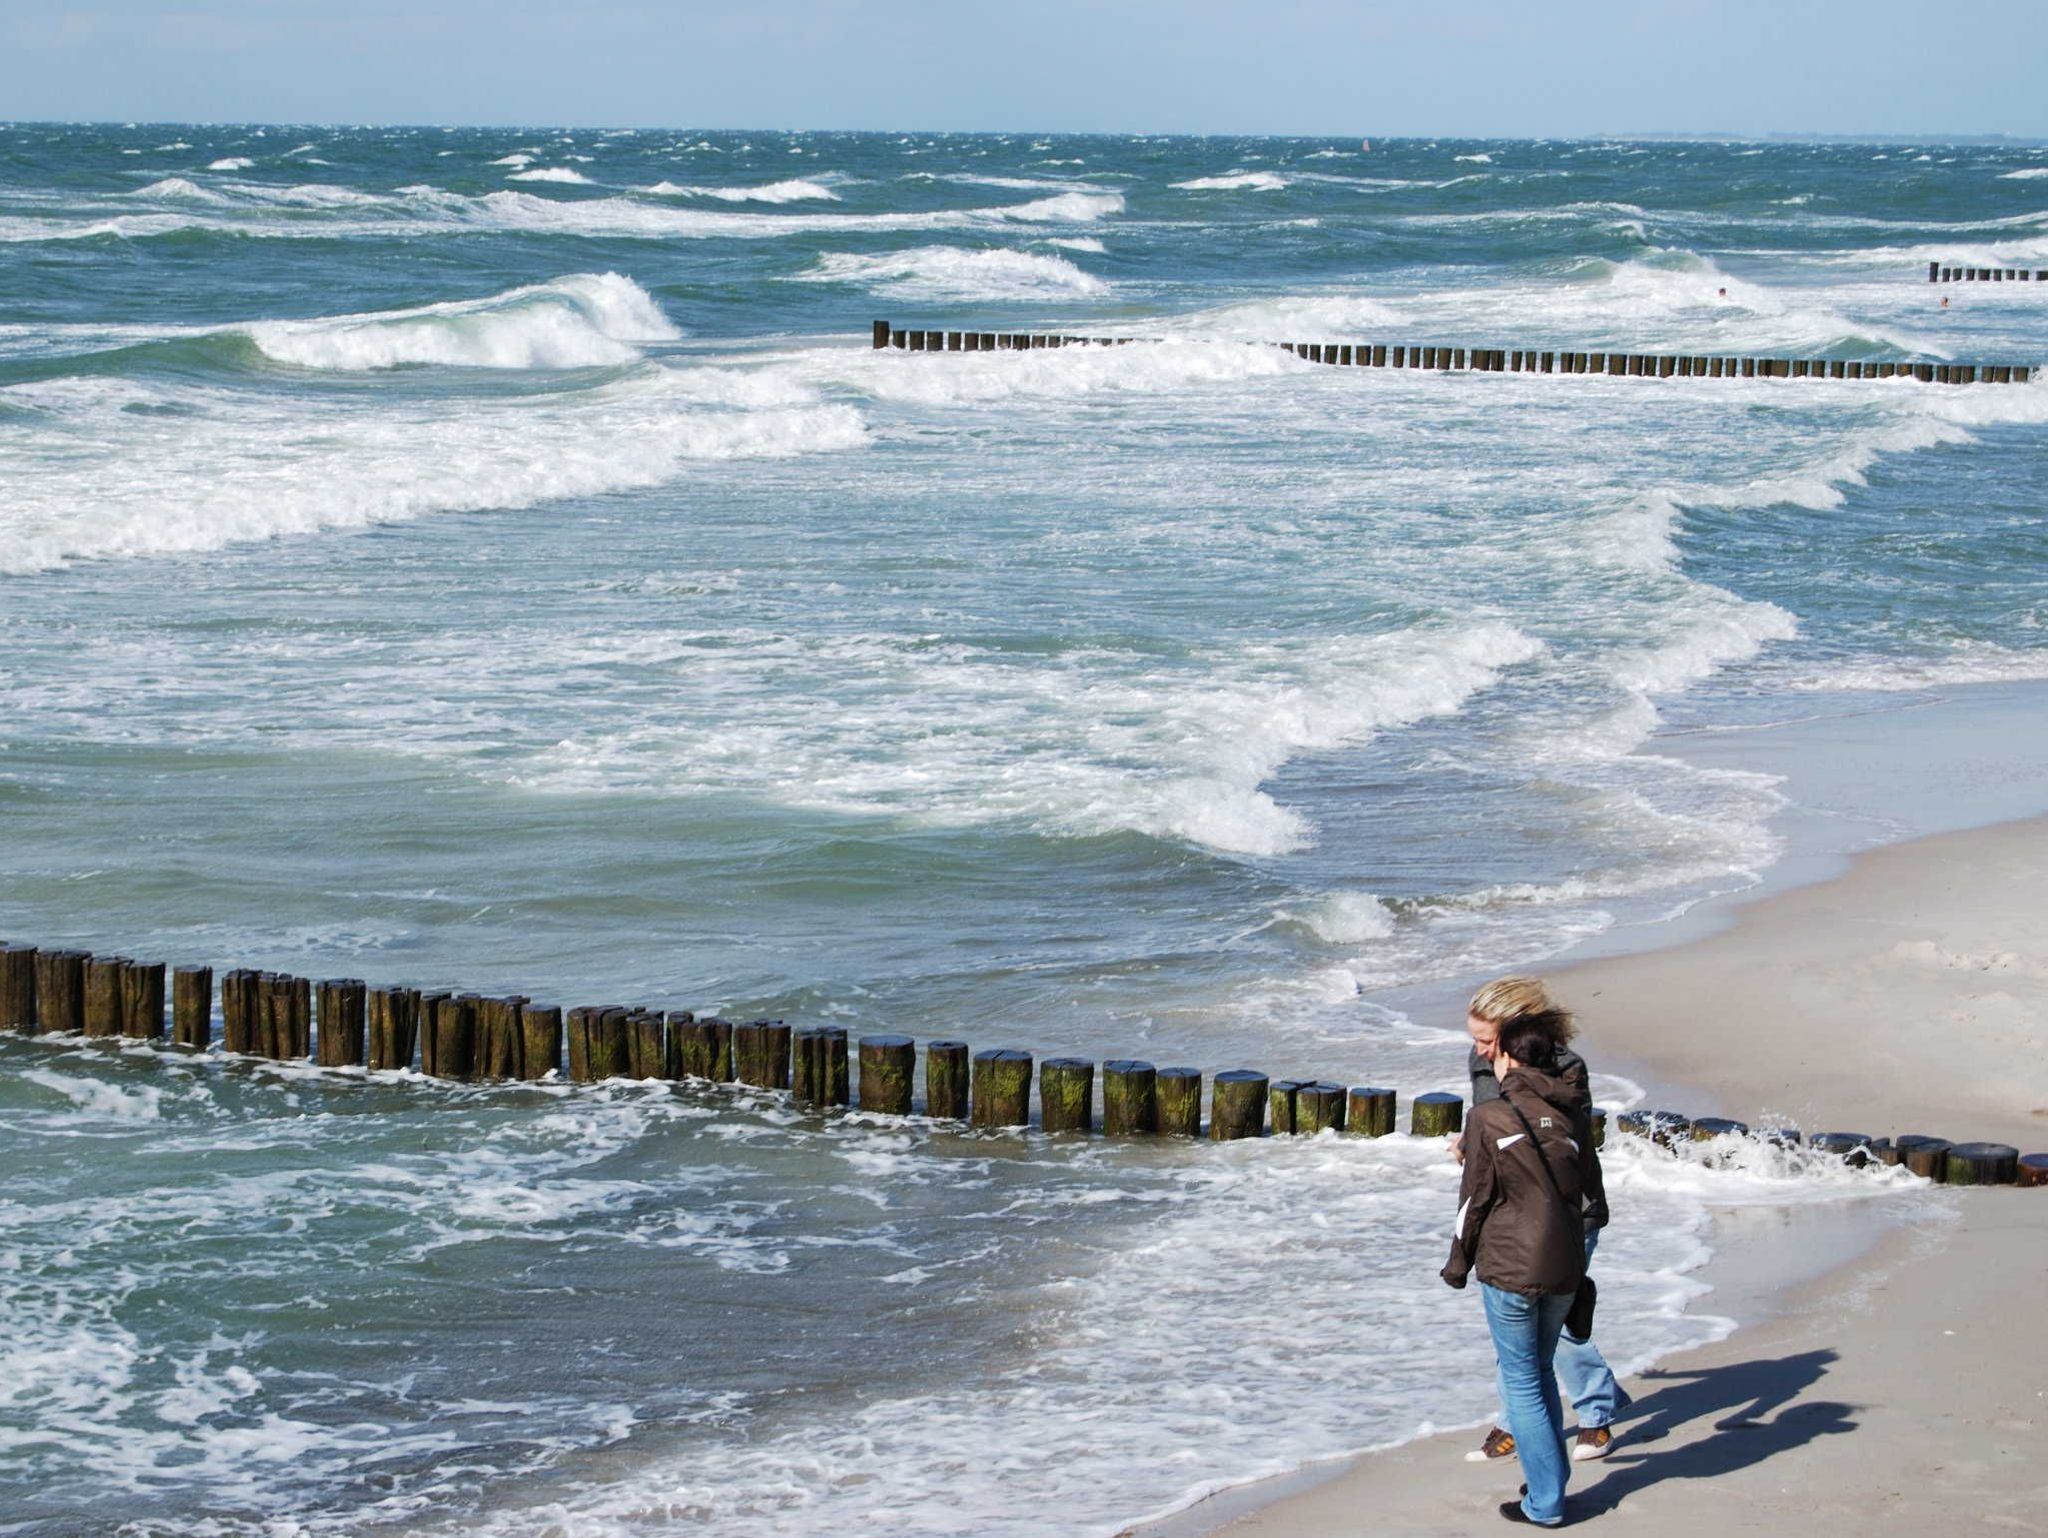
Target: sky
(1481, 68)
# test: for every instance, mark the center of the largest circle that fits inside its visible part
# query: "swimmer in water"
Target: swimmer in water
(1944, 301)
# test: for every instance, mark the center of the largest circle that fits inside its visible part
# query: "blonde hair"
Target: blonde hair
(1508, 999)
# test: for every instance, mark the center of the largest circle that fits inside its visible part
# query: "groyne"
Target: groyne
(1938, 273)
(1502, 360)
(345, 1024)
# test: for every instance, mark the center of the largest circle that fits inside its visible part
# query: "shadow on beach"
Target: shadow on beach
(1755, 1411)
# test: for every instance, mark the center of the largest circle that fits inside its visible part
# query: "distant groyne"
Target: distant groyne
(1502, 360)
(1938, 273)
(344, 1024)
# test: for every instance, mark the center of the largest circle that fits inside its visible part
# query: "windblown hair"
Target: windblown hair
(1520, 1006)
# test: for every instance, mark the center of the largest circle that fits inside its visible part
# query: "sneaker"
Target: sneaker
(1593, 1442)
(1498, 1444)
(1512, 1510)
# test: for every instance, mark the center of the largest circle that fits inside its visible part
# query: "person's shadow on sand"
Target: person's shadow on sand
(1758, 1414)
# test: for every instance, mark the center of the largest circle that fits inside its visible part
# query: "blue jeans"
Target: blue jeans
(1525, 1332)
(1588, 1380)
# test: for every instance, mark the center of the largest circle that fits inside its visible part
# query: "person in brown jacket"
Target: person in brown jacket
(1530, 1174)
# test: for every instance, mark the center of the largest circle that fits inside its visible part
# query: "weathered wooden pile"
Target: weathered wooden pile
(1505, 360)
(468, 1037)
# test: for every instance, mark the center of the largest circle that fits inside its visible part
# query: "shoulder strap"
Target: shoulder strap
(1537, 1144)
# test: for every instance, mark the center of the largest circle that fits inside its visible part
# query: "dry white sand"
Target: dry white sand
(1903, 1393)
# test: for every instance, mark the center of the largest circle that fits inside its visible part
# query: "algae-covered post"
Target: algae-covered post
(699, 1049)
(818, 1073)
(1317, 1106)
(1066, 1094)
(1179, 1093)
(1280, 1105)
(646, 1045)
(1130, 1098)
(1237, 1105)
(888, 1071)
(540, 1046)
(946, 1080)
(1981, 1164)
(1002, 1088)
(1370, 1112)
(1436, 1114)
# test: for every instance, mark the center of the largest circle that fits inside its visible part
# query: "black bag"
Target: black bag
(1578, 1323)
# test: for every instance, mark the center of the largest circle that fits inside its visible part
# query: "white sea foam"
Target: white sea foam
(771, 192)
(563, 174)
(97, 1099)
(1481, 159)
(1976, 662)
(423, 210)
(948, 273)
(1305, 317)
(232, 163)
(579, 321)
(1344, 918)
(1236, 181)
(2025, 174)
(1180, 753)
(178, 189)
(517, 160)
(217, 468)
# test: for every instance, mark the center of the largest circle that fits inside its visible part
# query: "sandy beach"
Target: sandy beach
(1905, 1391)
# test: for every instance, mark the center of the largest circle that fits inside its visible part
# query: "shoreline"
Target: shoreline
(1885, 860)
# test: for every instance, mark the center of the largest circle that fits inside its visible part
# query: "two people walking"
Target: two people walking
(1531, 1205)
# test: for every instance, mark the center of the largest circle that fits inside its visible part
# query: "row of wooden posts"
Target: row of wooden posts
(1936, 273)
(1505, 360)
(343, 1023)
(472, 1037)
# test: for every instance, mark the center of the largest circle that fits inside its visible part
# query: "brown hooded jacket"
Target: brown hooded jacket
(1513, 1229)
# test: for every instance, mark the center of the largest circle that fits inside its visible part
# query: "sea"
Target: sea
(497, 560)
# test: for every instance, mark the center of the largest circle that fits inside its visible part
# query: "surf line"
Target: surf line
(65, 995)
(1501, 360)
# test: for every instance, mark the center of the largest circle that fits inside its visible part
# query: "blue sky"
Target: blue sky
(1481, 69)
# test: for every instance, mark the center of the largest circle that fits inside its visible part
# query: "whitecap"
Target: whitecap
(792, 191)
(1248, 181)
(948, 273)
(583, 320)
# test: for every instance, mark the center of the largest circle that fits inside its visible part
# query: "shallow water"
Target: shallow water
(419, 569)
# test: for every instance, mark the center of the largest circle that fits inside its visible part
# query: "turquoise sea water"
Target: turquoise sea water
(495, 560)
